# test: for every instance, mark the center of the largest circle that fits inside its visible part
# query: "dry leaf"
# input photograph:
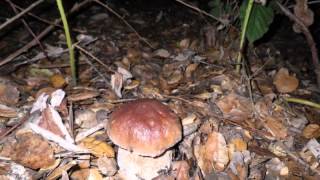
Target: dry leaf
(133, 84)
(97, 147)
(304, 13)
(163, 53)
(58, 81)
(83, 95)
(276, 168)
(284, 82)
(239, 165)
(125, 73)
(203, 96)
(190, 69)
(47, 122)
(8, 112)
(107, 166)
(86, 118)
(235, 107)
(237, 144)
(311, 131)
(184, 43)
(9, 94)
(212, 154)
(29, 150)
(275, 127)
(117, 83)
(175, 77)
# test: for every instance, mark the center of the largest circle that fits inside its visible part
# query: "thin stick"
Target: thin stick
(93, 57)
(223, 21)
(46, 21)
(40, 36)
(9, 21)
(28, 28)
(91, 64)
(125, 22)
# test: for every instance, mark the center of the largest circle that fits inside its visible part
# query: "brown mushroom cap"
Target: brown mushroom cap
(146, 127)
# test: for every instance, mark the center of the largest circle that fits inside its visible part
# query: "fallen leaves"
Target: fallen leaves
(212, 154)
(284, 82)
(235, 107)
(29, 150)
(9, 94)
(97, 147)
(311, 131)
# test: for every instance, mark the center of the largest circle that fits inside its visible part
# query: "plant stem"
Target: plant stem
(243, 34)
(303, 101)
(69, 42)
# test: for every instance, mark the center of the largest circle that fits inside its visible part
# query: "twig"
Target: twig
(9, 21)
(92, 65)
(223, 21)
(93, 57)
(82, 135)
(29, 29)
(125, 22)
(309, 38)
(22, 121)
(40, 36)
(46, 21)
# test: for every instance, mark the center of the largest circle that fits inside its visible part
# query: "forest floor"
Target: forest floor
(262, 123)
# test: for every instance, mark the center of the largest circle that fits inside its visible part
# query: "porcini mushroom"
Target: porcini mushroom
(144, 130)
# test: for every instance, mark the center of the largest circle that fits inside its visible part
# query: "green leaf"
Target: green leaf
(260, 19)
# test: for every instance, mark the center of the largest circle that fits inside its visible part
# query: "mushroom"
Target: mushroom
(144, 130)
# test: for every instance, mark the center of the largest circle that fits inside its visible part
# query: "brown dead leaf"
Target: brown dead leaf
(134, 55)
(29, 150)
(48, 123)
(86, 118)
(175, 77)
(181, 170)
(117, 83)
(58, 81)
(133, 84)
(8, 112)
(304, 13)
(9, 94)
(275, 127)
(238, 144)
(235, 107)
(284, 82)
(97, 147)
(107, 166)
(190, 69)
(184, 43)
(213, 154)
(83, 95)
(311, 131)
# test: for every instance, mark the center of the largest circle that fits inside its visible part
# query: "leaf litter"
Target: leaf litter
(230, 130)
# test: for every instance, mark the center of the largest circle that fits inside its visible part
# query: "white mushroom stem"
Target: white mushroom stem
(135, 167)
